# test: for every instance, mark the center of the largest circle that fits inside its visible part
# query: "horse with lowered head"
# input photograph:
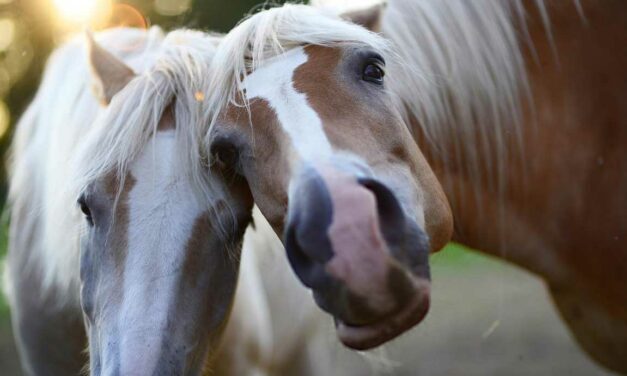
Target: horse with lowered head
(147, 273)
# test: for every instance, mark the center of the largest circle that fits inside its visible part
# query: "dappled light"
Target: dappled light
(7, 33)
(5, 118)
(172, 7)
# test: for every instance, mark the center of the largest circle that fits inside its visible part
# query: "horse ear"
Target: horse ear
(370, 17)
(109, 74)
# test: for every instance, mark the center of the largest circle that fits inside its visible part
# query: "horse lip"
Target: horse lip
(366, 337)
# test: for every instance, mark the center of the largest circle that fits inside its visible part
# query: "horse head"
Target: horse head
(160, 247)
(306, 119)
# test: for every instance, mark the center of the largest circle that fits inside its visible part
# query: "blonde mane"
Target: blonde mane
(463, 79)
(66, 140)
(177, 75)
(460, 75)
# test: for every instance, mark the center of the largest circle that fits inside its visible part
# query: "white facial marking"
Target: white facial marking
(162, 211)
(273, 82)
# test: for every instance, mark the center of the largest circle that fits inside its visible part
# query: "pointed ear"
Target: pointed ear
(370, 17)
(109, 74)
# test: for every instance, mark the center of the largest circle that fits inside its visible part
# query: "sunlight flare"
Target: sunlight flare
(83, 12)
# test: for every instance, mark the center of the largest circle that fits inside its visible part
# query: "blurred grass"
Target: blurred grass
(455, 255)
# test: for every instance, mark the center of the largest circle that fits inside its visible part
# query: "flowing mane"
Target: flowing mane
(461, 64)
(270, 33)
(91, 141)
(472, 82)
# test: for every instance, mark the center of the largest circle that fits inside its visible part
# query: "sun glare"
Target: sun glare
(83, 12)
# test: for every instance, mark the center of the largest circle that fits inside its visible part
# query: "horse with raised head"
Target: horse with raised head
(147, 273)
(519, 107)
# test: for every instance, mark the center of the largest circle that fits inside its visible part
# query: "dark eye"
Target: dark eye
(225, 153)
(373, 73)
(85, 209)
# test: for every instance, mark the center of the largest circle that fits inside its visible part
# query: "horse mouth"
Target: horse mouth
(366, 337)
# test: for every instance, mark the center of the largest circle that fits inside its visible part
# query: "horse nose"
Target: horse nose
(312, 212)
(350, 241)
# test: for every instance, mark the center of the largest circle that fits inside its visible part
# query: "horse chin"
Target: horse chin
(366, 337)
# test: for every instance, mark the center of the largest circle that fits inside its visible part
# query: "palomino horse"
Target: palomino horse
(148, 272)
(526, 128)
(521, 109)
(303, 115)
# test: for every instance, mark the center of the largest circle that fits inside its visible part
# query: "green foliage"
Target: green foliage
(457, 256)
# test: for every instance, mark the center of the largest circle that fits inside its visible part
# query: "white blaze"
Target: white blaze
(162, 211)
(273, 82)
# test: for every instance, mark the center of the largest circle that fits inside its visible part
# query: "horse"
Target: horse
(519, 109)
(526, 129)
(122, 236)
(341, 179)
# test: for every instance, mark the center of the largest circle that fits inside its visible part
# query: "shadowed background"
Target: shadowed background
(487, 318)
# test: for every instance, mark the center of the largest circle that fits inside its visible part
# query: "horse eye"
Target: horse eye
(225, 154)
(85, 209)
(373, 73)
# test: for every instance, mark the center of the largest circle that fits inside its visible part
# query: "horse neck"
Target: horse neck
(568, 69)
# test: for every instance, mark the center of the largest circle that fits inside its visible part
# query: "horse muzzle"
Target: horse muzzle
(350, 241)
